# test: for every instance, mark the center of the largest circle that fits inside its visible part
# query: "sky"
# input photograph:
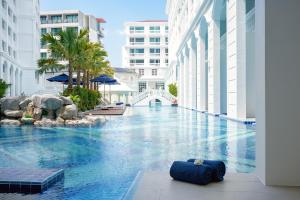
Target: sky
(116, 13)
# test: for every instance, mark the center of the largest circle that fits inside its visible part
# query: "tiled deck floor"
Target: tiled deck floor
(160, 186)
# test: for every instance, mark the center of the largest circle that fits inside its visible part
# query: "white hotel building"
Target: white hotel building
(19, 50)
(56, 21)
(212, 55)
(146, 52)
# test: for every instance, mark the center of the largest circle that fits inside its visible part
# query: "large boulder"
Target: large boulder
(23, 104)
(78, 123)
(69, 112)
(11, 103)
(10, 122)
(47, 102)
(66, 100)
(13, 113)
(37, 113)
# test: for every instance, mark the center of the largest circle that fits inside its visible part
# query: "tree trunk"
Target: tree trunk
(78, 81)
(70, 82)
(84, 78)
(87, 80)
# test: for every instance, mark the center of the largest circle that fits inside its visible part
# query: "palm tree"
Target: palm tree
(63, 47)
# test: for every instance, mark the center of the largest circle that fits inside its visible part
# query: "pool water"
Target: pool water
(102, 162)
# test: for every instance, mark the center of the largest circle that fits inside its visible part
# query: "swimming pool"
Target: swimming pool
(101, 163)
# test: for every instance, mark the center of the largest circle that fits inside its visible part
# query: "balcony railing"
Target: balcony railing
(137, 43)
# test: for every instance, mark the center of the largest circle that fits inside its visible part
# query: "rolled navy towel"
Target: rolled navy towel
(218, 168)
(189, 172)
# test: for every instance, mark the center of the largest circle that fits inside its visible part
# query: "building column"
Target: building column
(277, 103)
(192, 97)
(201, 72)
(213, 66)
(180, 81)
(236, 59)
(185, 77)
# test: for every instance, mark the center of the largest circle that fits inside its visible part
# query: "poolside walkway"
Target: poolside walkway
(111, 111)
(160, 186)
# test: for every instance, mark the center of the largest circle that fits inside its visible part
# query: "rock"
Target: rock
(47, 102)
(66, 100)
(13, 113)
(11, 103)
(78, 123)
(27, 121)
(69, 112)
(46, 123)
(10, 122)
(37, 113)
(29, 109)
(60, 121)
(23, 104)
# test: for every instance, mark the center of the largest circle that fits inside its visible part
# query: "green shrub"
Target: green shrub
(173, 89)
(3, 88)
(27, 116)
(85, 99)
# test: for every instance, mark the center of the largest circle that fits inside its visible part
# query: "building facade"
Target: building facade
(19, 50)
(56, 21)
(146, 52)
(212, 55)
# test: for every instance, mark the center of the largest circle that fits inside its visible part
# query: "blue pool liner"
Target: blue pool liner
(189, 172)
(219, 168)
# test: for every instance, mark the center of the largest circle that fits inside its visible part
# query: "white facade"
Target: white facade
(146, 52)
(212, 55)
(19, 50)
(55, 21)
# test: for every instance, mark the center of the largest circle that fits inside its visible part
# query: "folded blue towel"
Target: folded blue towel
(119, 103)
(188, 172)
(218, 167)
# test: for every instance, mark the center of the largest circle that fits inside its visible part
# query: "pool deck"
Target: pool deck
(160, 186)
(110, 111)
(28, 180)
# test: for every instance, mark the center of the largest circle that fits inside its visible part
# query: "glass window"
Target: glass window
(9, 11)
(3, 24)
(138, 62)
(166, 29)
(142, 86)
(56, 19)
(72, 18)
(15, 54)
(141, 72)
(137, 40)
(154, 51)
(154, 72)
(154, 61)
(14, 36)
(136, 51)
(55, 31)
(167, 51)
(160, 85)
(43, 19)
(43, 55)
(73, 28)
(138, 29)
(14, 19)
(9, 50)
(43, 31)
(3, 45)
(154, 29)
(154, 40)
(9, 31)
(4, 4)
(167, 40)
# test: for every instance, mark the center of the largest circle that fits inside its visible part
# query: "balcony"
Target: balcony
(136, 54)
(137, 43)
(155, 54)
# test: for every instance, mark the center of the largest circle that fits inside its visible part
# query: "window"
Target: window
(160, 85)
(155, 51)
(167, 61)
(43, 31)
(136, 51)
(141, 72)
(9, 11)
(9, 31)
(167, 40)
(166, 29)
(4, 4)
(137, 40)
(43, 44)
(142, 86)
(43, 55)
(56, 19)
(3, 45)
(154, 40)
(137, 62)
(3, 24)
(55, 31)
(15, 54)
(43, 19)
(154, 29)
(9, 50)
(14, 37)
(137, 29)
(14, 19)
(154, 61)
(72, 18)
(167, 52)
(154, 72)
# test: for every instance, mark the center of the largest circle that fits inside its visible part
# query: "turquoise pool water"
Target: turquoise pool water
(101, 163)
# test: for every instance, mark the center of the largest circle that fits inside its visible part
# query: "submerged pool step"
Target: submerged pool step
(28, 181)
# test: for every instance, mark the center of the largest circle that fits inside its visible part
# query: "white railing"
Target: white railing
(155, 93)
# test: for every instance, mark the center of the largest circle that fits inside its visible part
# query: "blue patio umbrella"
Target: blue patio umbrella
(62, 78)
(105, 80)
